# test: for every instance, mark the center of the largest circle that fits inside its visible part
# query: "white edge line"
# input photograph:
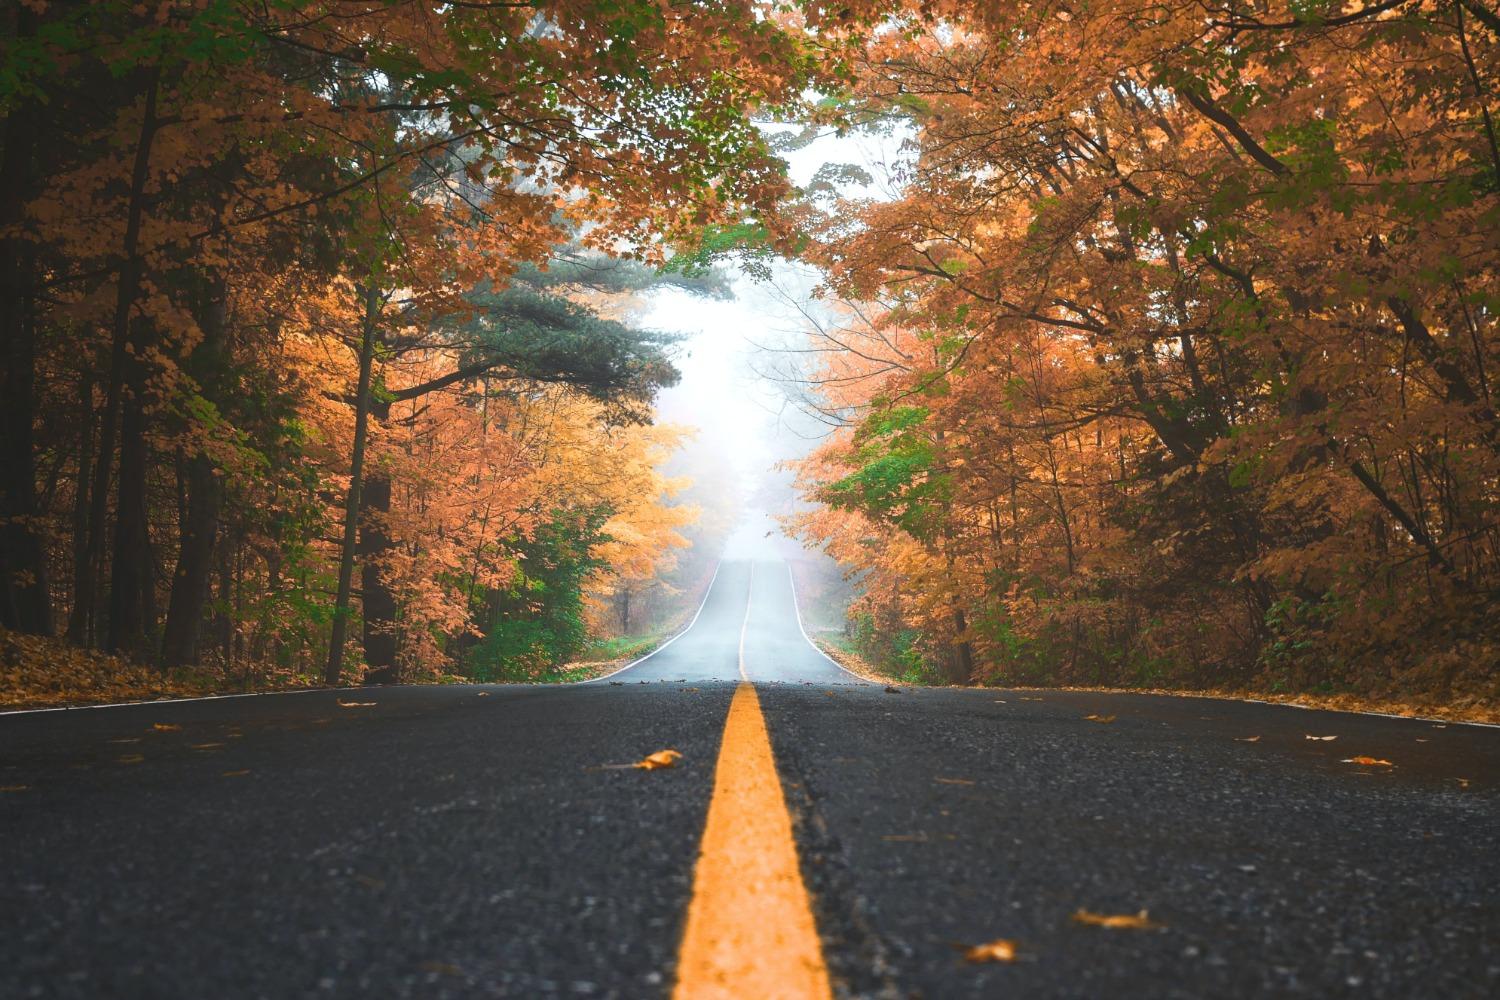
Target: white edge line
(791, 577)
(703, 604)
(178, 701)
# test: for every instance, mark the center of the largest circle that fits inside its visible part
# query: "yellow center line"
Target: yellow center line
(750, 930)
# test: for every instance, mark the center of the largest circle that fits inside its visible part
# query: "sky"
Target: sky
(736, 411)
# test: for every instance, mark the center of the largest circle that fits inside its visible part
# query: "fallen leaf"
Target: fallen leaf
(1116, 921)
(1031, 699)
(1001, 701)
(828, 693)
(999, 950)
(954, 781)
(689, 690)
(1099, 718)
(235, 774)
(1462, 782)
(132, 758)
(1323, 739)
(482, 694)
(14, 788)
(1368, 761)
(343, 704)
(892, 689)
(1420, 740)
(658, 760)
(1247, 739)
(165, 727)
(205, 746)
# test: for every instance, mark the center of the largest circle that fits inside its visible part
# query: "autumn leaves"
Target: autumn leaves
(1172, 365)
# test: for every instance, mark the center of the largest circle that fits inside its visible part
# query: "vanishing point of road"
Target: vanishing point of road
(818, 836)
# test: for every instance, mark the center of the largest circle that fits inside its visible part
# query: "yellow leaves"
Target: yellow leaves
(998, 950)
(1099, 718)
(166, 727)
(1321, 739)
(132, 758)
(1368, 761)
(1247, 739)
(658, 760)
(205, 746)
(355, 704)
(1140, 921)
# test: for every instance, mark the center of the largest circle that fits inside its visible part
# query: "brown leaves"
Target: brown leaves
(1247, 739)
(166, 727)
(657, 761)
(1116, 921)
(999, 950)
(1099, 718)
(1368, 761)
(1321, 739)
(235, 774)
(356, 704)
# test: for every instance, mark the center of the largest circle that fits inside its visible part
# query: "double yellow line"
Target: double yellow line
(750, 929)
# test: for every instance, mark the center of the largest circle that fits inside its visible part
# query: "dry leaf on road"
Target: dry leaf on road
(1323, 739)
(132, 758)
(1116, 921)
(999, 950)
(1247, 739)
(1368, 761)
(1099, 718)
(165, 727)
(348, 704)
(658, 760)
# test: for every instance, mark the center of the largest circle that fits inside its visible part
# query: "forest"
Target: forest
(1168, 360)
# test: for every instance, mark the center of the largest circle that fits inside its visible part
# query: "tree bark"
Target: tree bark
(377, 602)
(335, 665)
(200, 525)
(127, 288)
(25, 598)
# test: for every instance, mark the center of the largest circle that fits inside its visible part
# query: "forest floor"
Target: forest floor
(41, 672)
(1462, 708)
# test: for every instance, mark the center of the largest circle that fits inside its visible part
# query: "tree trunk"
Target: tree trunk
(25, 599)
(79, 625)
(377, 601)
(200, 525)
(190, 582)
(127, 287)
(132, 586)
(335, 665)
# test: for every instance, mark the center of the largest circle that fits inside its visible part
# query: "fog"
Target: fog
(745, 424)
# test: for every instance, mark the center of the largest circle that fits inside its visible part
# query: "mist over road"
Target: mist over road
(483, 841)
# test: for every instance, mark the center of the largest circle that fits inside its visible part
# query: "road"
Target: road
(474, 841)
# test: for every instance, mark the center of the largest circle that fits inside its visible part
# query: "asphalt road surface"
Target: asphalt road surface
(476, 841)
